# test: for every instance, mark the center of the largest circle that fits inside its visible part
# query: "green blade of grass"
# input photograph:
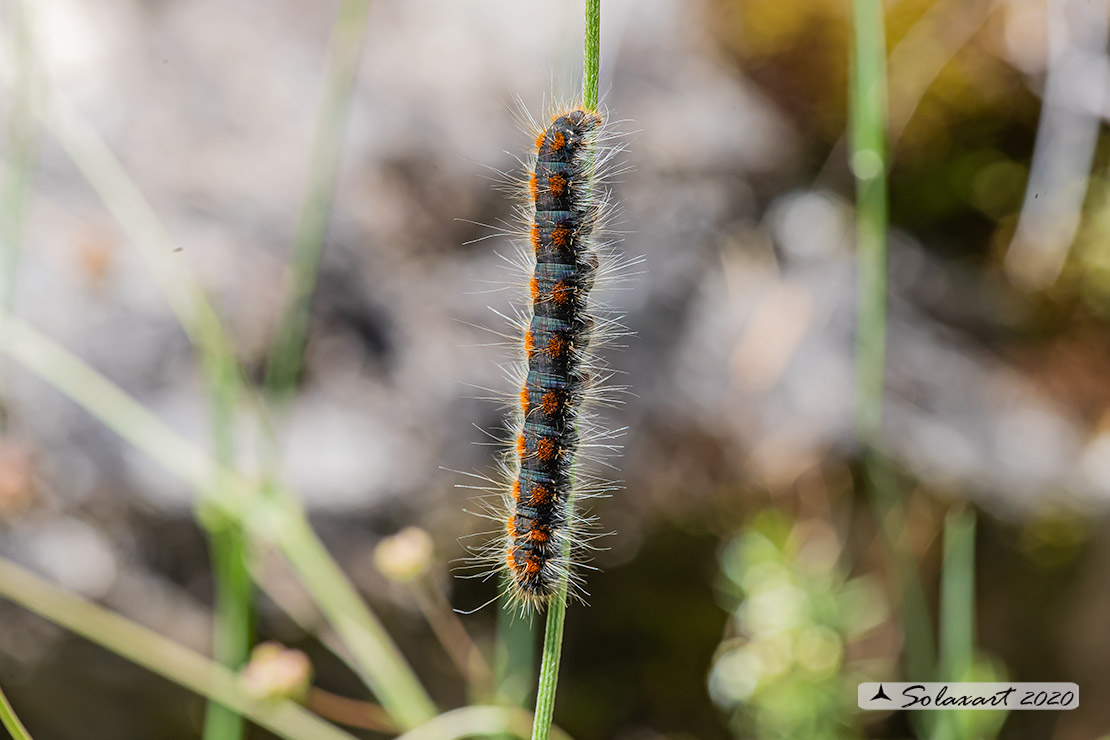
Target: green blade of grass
(23, 141)
(10, 721)
(287, 352)
(957, 613)
(591, 54)
(868, 163)
(233, 612)
(234, 620)
(957, 595)
(549, 663)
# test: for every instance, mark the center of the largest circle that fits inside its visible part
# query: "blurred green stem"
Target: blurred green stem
(155, 653)
(868, 163)
(957, 595)
(233, 617)
(890, 512)
(347, 39)
(10, 721)
(275, 519)
(23, 139)
(233, 614)
(869, 166)
(957, 612)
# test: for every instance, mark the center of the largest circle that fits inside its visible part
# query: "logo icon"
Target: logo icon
(880, 694)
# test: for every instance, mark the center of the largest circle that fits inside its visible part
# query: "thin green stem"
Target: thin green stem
(957, 595)
(10, 721)
(23, 140)
(917, 629)
(957, 611)
(347, 39)
(159, 655)
(233, 621)
(557, 606)
(23, 147)
(108, 403)
(273, 518)
(549, 662)
(869, 165)
(233, 615)
(592, 55)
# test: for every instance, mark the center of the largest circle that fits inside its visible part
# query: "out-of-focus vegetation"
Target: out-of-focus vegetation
(783, 669)
(751, 582)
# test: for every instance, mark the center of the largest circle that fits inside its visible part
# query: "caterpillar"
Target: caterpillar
(559, 375)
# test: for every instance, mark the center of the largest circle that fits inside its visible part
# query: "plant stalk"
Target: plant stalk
(557, 607)
(868, 136)
(10, 721)
(287, 353)
(592, 54)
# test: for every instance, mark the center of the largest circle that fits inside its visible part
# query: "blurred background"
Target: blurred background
(747, 588)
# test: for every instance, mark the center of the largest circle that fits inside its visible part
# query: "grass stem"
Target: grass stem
(549, 664)
(23, 144)
(557, 607)
(957, 612)
(868, 162)
(233, 613)
(592, 54)
(233, 620)
(347, 39)
(10, 721)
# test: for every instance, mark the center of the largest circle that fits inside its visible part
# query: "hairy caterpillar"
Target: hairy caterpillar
(559, 376)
